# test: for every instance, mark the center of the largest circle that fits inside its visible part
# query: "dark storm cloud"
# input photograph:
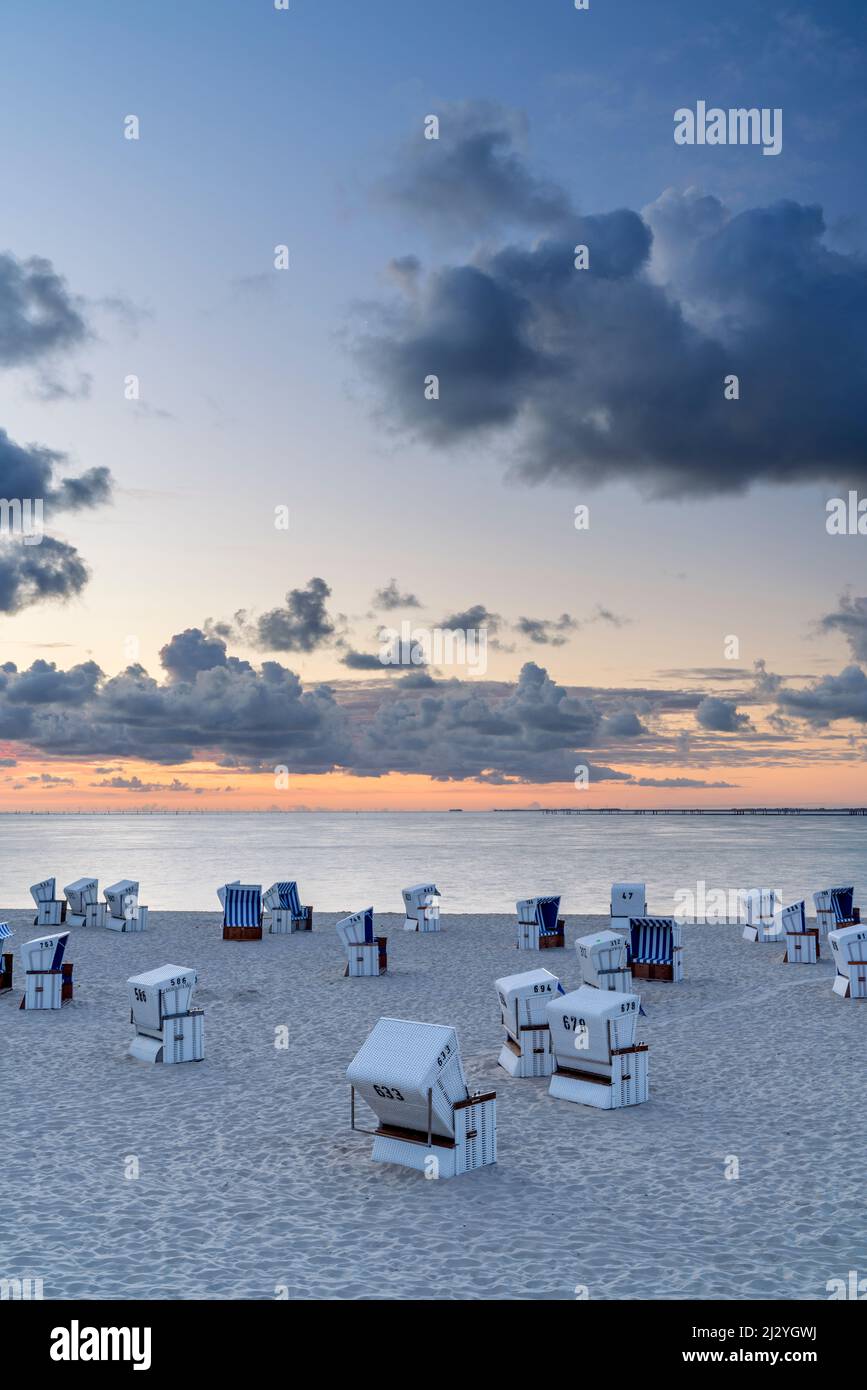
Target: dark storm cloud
(721, 715)
(677, 782)
(617, 371)
(135, 784)
(623, 724)
(850, 619)
(472, 619)
(51, 570)
(28, 471)
(547, 632)
(300, 625)
(833, 697)
(390, 597)
(38, 315)
(191, 651)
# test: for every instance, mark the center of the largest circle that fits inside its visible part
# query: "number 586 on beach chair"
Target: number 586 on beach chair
(242, 911)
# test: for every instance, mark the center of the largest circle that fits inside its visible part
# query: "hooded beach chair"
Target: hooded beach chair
(596, 1058)
(762, 912)
(421, 912)
(604, 957)
(5, 959)
(47, 979)
(125, 912)
(242, 911)
(50, 911)
(167, 1029)
(656, 948)
(849, 951)
(286, 914)
(366, 953)
(412, 1078)
(802, 942)
(540, 927)
(627, 900)
(83, 906)
(835, 909)
(523, 1013)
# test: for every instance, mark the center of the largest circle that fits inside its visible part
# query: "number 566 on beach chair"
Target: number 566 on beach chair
(242, 911)
(285, 911)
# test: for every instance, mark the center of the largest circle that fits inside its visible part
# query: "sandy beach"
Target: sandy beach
(251, 1185)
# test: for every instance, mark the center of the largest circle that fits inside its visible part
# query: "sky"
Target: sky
(218, 340)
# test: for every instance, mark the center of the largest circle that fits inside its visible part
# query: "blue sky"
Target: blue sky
(261, 127)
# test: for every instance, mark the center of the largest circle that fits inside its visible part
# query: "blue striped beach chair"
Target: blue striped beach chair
(366, 953)
(540, 926)
(242, 911)
(5, 959)
(802, 944)
(286, 912)
(655, 948)
(835, 909)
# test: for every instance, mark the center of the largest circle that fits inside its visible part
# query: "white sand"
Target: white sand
(250, 1177)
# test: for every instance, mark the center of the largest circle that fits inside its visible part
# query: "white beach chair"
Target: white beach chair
(540, 927)
(286, 914)
(762, 912)
(421, 912)
(835, 909)
(5, 959)
(242, 911)
(47, 979)
(366, 953)
(523, 1011)
(83, 906)
(627, 900)
(604, 958)
(50, 911)
(412, 1077)
(849, 951)
(167, 1029)
(802, 943)
(125, 912)
(655, 948)
(596, 1058)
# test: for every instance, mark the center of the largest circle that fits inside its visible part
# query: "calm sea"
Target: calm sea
(481, 863)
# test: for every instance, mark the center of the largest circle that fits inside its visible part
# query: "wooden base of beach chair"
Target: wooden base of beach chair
(673, 972)
(554, 940)
(802, 948)
(5, 973)
(242, 933)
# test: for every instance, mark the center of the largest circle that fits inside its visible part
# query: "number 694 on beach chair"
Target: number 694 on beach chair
(412, 1078)
(523, 1012)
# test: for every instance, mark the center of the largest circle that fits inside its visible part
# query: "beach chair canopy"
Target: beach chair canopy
(420, 895)
(221, 892)
(356, 928)
(849, 947)
(82, 893)
(795, 917)
(543, 911)
(400, 1064)
(599, 1019)
(5, 931)
(284, 895)
(842, 903)
(157, 994)
(242, 905)
(121, 895)
(43, 892)
(524, 998)
(45, 952)
(652, 940)
(628, 899)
